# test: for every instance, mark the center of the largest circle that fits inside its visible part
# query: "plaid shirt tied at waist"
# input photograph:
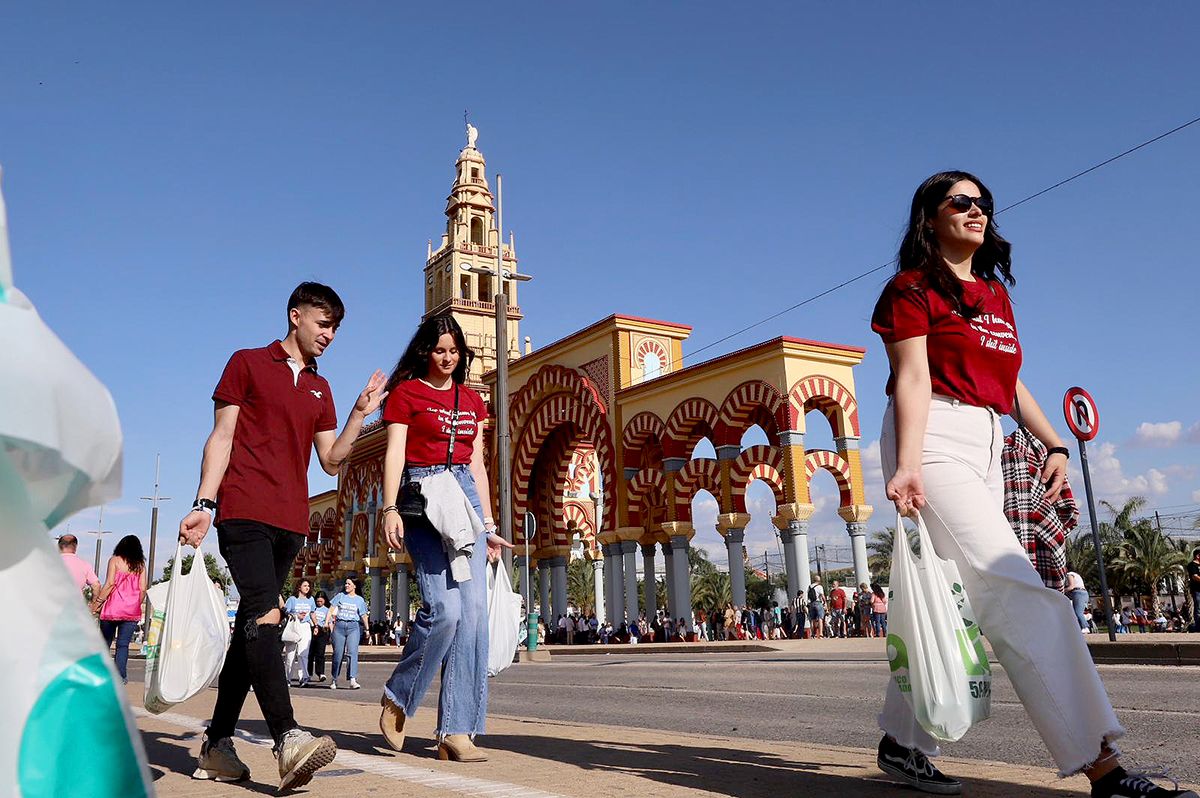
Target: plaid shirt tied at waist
(1041, 526)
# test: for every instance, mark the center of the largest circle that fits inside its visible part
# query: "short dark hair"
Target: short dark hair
(319, 296)
(67, 541)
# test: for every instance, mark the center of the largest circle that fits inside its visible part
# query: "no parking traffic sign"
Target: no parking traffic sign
(1083, 418)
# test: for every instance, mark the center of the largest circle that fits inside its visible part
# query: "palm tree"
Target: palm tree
(1147, 557)
(879, 558)
(712, 590)
(580, 585)
(880, 549)
(1113, 535)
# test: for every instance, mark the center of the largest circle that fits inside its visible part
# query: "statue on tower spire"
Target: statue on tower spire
(472, 135)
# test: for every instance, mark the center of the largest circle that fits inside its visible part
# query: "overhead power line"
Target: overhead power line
(892, 262)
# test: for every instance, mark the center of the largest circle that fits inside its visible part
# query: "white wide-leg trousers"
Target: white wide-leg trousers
(295, 655)
(1032, 629)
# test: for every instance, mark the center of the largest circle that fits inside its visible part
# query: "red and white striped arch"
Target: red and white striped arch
(640, 429)
(543, 420)
(548, 380)
(651, 346)
(829, 396)
(836, 465)
(751, 402)
(691, 420)
(646, 490)
(757, 462)
(696, 475)
(581, 514)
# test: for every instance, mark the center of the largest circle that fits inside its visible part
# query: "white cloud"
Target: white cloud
(1158, 434)
(1112, 483)
(1196, 496)
(872, 463)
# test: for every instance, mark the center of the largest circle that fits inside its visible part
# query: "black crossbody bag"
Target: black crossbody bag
(411, 502)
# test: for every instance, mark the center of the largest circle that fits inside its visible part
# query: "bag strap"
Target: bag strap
(453, 430)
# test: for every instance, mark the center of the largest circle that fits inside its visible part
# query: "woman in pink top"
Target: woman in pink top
(878, 610)
(121, 597)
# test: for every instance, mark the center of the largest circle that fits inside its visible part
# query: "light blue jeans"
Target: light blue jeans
(1079, 601)
(451, 628)
(346, 635)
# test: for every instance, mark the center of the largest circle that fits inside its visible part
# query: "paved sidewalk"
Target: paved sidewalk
(538, 759)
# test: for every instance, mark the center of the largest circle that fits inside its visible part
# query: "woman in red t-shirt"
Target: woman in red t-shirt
(427, 398)
(947, 322)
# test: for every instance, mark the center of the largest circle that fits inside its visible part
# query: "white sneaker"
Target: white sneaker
(218, 761)
(301, 755)
(333, 684)
(354, 685)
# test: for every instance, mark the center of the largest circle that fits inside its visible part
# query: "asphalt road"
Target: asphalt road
(783, 697)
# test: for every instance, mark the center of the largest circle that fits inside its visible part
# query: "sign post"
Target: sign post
(1083, 419)
(531, 617)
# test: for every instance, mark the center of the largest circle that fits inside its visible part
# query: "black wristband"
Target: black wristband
(1058, 450)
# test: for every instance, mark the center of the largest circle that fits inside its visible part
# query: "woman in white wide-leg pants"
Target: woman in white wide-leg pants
(948, 325)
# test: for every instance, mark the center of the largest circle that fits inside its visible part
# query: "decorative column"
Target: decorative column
(858, 547)
(601, 588)
(668, 561)
(649, 582)
(558, 587)
(400, 603)
(614, 576)
(544, 590)
(629, 551)
(349, 529)
(792, 523)
(374, 571)
(856, 524)
(680, 534)
(733, 527)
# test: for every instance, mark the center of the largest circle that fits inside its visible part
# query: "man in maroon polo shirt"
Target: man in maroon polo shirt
(272, 409)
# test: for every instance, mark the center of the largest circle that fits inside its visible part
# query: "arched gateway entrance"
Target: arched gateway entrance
(615, 393)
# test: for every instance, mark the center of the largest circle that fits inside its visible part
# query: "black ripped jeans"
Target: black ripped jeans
(259, 558)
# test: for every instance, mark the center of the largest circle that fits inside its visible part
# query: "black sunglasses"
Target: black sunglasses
(961, 203)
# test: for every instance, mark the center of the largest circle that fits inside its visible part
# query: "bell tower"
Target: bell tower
(470, 243)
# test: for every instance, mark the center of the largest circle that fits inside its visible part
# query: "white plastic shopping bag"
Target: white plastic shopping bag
(188, 635)
(934, 647)
(504, 619)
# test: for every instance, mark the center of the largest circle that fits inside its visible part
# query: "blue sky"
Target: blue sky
(172, 171)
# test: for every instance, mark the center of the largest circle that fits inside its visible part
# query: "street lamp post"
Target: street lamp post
(154, 500)
(99, 533)
(500, 400)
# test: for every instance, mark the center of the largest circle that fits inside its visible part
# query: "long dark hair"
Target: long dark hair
(414, 363)
(877, 590)
(129, 549)
(919, 251)
(300, 584)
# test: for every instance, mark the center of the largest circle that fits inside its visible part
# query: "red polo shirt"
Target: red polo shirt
(279, 414)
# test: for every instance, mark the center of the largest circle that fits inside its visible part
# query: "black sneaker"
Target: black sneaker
(1120, 784)
(914, 769)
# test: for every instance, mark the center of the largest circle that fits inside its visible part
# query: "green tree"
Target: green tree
(1147, 557)
(215, 571)
(581, 587)
(879, 553)
(712, 590)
